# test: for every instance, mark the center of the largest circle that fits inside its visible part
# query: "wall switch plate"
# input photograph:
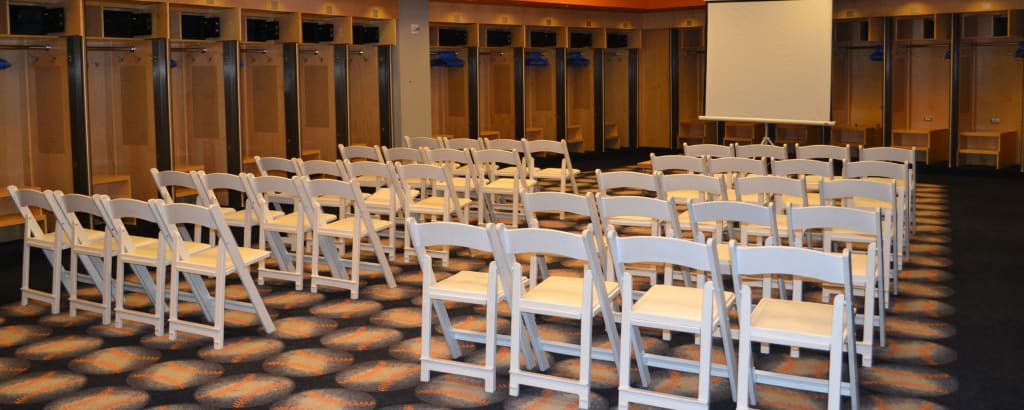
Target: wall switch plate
(996, 120)
(929, 117)
(414, 29)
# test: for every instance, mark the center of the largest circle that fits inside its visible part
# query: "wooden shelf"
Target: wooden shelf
(933, 144)
(864, 136)
(690, 131)
(574, 137)
(1000, 144)
(611, 135)
(9, 214)
(1000, 24)
(114, 186)
(792, 134)
(743, 132)
(926, 27)
(858, 31)
(491, 134)
(534, 133)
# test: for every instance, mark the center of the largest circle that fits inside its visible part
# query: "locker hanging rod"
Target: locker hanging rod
(111, 48)
(46, 47)
(358, 52)
(254, 50)
(436, 52)
(314, 51)
(863, 47)
(497, 53)
(199, 49)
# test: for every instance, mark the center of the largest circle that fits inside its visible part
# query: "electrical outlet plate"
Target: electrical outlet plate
(996, 120)
(928, 117)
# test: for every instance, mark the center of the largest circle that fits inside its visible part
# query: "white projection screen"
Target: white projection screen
(769, 61)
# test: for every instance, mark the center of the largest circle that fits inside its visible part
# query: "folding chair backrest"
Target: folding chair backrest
(356, 153)
(448, 156)
(425, 235)
(210, 218)
(115, 211)
(884, 169)
(772, 188)
(403, 155)
(858, 188)
(692, 164)
(264, 192)
(74, 206)
(506, 144)
(219, 182)
(171, 179)
(823, 152)
(491, 159)
(538, 202)
(367, 168)
(319, 168)
(422, 142)
(660, 210)
(711, 187)
(25, 200)
(542, 241)
(803, 166)
(762, 151)
(710, 150)
(890, 154)
(831, 217)
(741, 166)
(310, 190)
(463, 143)
(660, 249)
(790, 260)
(276, 166)
(732, 211)
(609, 181)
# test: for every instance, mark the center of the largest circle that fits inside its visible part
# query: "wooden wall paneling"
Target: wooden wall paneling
(316, 101)
(540, 98)
(261, 99)
(579, 83)
(991, 91)
(449, 93)
(16, 117)
(616, 98)
(497, 93)
(654, 89)
(365, 94)
(868, 8)
(929, 87)
(197, 108)
(692, 65)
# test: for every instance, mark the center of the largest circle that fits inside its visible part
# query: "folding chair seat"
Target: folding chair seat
(230, 184)
(279, 167)
(384, 201)
(51, 243)
(498, 192)
(216, 262)
(359, 153)
(564, 173)
(174, 186)
(455, 160)
(140, 253)
(762, 151)
(726, 214)
(783, 192)
(701, 311)
(423, 142)
(95, 253)
(869, 195)
(487, 289)
(866, 268)
(664, 221)
(436, 203)
(802, 324)
(578, 298)
(329, 235)
(274, 228)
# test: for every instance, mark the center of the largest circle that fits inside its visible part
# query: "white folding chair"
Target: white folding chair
(866, 268)
(216, 262)
(824, 151)
(733, 167)
(724, 215)
(500, 193)
(506, 144)
(384, 201)
(812, 171)
(317, 169)
(683, 188)
(274, 166)
(764, 189)
(173, 186)
(96, 254)
(900, 156)
(802, 324)
(885, 171)
(700, 311)
(675, 162)
(216, 184)
(422, 142)
(584, 206)
(463, 143)
(275, 227)
(564, 173)
(709, 150)
(328, 231)
(664, 221)
(51, 243)
(762, 151)
(437, 203)
(360, 153)
(579, 298)
(487, 289)
(461, 166)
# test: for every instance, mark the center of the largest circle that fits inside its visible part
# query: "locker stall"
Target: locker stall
(540, 81)
(449, 78)
(370, 108)
(34, 102)
(579, 88)
(692, 66)
(991, 88)
(322, 37)
(858, 74)
(261, 84)
(617, 130)
(119, 88)
(196, 80)
(496, 73)
(921, 72)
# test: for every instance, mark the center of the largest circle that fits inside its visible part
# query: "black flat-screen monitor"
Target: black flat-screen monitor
(35, 20)
(543, 39)
(581, 40)
(452, 37)
(197, 27)
(262, 30)
(499, 38)
(123, 23)
(313, 32)
(365, 34)
(618, 40)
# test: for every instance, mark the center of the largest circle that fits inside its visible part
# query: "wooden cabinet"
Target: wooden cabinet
(864, 136)
(743, 132)
(1000, 144)
(700, 132)
(797, 134)
(611, 135)
(933, 144)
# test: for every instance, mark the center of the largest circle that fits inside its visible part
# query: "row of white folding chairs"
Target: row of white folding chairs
(662, 307)
(96, 251)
